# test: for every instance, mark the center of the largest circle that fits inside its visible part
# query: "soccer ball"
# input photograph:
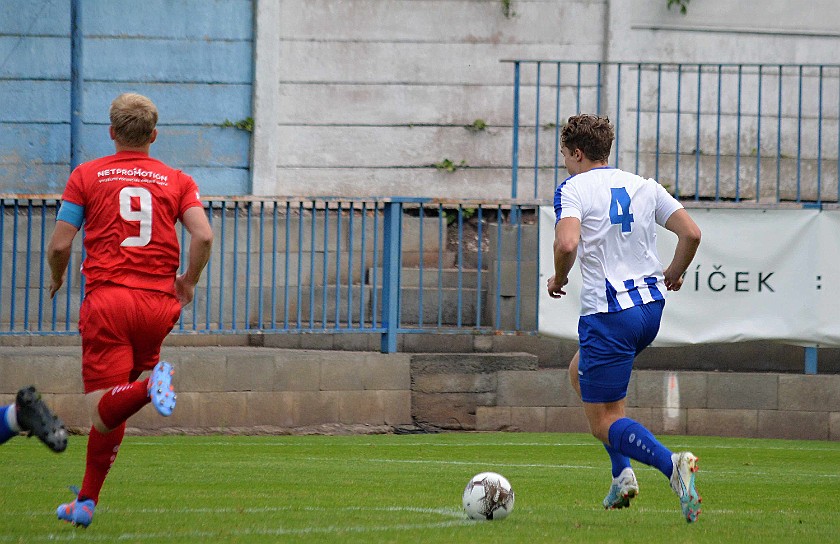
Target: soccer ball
(488, 496)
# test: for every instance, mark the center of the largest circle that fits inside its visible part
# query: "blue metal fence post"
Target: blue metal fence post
(76, 81)
(811, 360)
(391, 243)
(515, 159)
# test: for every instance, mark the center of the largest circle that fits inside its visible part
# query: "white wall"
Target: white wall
(363, 97)
(769, 31)
(371, 93)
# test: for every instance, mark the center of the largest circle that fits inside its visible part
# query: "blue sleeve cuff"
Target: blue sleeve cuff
(71, 213)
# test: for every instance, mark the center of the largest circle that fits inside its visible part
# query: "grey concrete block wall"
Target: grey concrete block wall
(764, 405)
(235, 387)
(447, 389)
(243, 387)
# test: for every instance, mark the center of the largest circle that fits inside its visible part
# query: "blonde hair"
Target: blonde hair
(133, 117)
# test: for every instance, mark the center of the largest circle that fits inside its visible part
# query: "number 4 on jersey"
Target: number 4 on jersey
(620, 208)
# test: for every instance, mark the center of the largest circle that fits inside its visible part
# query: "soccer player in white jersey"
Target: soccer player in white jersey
(606, 219)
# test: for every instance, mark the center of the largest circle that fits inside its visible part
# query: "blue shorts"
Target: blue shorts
(609, 342)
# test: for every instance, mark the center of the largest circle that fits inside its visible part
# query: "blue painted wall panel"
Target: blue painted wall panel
(35, 17)
(181, 145)
(204, 146)
(195, 61)
(178, 104)
(221, 181)
(34, 58)
(40, 143)
(35, 101)
(34, 178)
(194, 58)
(181, 19)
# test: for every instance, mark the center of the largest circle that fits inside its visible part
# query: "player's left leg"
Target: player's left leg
(104, 320)
(610, 343)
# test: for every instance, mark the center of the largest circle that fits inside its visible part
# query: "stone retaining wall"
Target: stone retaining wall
(242, 388)
(795, 406)
(236, 387)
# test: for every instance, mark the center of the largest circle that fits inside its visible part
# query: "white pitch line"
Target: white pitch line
(330, 529)
(366, 444)
(457, 463)
(280, 531)
(445, 512)
(593, 444)
(574, 467)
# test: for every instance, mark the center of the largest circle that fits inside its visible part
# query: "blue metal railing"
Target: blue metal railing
(756, 133)
(385, 266)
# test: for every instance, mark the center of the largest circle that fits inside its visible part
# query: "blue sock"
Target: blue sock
(6, 432)
(619, 460)
(636, 442)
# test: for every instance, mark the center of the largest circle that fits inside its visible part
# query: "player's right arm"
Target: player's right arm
(201, 241)
(58, 253)
(688, 239)
(566, 239)
(567, 209)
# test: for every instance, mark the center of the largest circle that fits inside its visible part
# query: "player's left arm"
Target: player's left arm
(566, 239)
(688, 239)
(201, 242)
(58, 253)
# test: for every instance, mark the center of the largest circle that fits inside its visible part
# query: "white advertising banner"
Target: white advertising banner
(758, 275)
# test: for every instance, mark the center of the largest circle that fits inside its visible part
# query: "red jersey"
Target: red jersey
(131, 205)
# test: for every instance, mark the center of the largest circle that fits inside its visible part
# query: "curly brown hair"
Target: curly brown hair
(592, 134)
(134, 118)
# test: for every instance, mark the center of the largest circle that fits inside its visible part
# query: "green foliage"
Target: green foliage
(469, 213)
(681, 4)
(477, 126)
(407, 488)
(246, 124)
(448, 166)
(507, 8)
(451, 216)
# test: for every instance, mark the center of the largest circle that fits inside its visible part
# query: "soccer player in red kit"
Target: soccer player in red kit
(129, 204)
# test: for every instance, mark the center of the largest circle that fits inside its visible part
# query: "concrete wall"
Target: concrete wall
(489, 393)
(235, 388)
(35, 91)
(195, 62)
(693, 403)
(366, 96)
(769, 32)
(242, 389)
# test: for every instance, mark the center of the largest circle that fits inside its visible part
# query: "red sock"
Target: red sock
(101, 452)
(122, 402)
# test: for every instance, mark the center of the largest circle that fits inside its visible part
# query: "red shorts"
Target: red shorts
(122, 330)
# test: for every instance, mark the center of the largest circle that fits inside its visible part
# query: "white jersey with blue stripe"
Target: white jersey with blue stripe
(618, 213)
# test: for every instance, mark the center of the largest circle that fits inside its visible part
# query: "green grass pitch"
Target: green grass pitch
(407, 488)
